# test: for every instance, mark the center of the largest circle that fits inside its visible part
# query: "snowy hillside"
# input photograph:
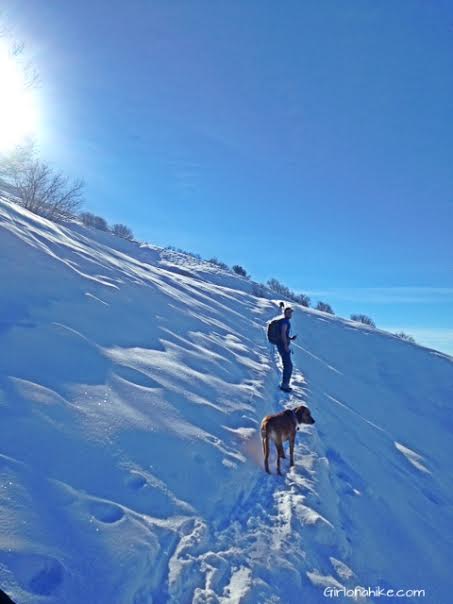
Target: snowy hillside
(132, 385)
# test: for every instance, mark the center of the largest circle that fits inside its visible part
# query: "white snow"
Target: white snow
(133, 381)
(414, 458)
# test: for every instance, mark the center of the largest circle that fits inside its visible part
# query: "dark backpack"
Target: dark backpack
(4, 598)
(274, 331)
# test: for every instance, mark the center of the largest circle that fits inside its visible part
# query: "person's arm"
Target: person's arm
(285, 337)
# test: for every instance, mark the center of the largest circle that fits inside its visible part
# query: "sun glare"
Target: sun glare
(18, 106)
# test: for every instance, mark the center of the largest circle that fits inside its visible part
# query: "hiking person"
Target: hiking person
(281, 307)
(279, 334)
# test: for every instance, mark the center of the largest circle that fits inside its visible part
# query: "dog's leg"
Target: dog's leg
(265, 437)
(282, 451)
(279, 448)
(292, 438)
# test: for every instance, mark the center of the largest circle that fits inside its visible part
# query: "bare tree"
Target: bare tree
(91, 220)
(48, 193)
(37, 187)
(302, 299)
(283, 290)
(100, 223)
(31, 75)
(363, 319)
(240, 270)
(405, 336)
(219, 263)
(10, 165)
(324, 307)
(87, 218)
(121, 230)
(259, 290)
(16, 50)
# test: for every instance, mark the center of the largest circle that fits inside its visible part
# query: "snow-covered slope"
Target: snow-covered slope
(132, 385)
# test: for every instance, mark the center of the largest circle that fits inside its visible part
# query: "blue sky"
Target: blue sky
(310, 141)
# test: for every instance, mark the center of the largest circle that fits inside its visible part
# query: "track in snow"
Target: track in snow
(264, 551)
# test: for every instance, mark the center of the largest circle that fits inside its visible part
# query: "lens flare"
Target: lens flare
(18, 105)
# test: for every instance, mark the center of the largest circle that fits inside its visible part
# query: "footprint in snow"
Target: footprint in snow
(353, 484)
(106, 512)
(136, 481)
(37, 574)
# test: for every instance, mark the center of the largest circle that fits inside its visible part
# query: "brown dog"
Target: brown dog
(280, 428)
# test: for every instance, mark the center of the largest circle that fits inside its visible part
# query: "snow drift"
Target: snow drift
(132, 385)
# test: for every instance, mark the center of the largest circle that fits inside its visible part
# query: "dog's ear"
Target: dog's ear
(303, 415)
(300, 413)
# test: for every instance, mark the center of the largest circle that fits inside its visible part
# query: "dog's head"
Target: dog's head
(303, 415)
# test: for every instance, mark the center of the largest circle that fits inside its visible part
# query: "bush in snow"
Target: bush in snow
(100, 223)
(405, 336)
(285, 292)
(302, 299)
(121, 230)
(179, 250)
(259, 290)
(279, 288)
(94, 221)
(87, 218)
(324, 307)
(239, 270)
(363, 319)
(219, 263)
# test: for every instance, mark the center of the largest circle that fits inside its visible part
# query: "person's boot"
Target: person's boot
(286, 388)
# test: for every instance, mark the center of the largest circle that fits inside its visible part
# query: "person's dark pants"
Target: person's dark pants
(287, 365)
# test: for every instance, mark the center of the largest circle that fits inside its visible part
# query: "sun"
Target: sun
(18, 104)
